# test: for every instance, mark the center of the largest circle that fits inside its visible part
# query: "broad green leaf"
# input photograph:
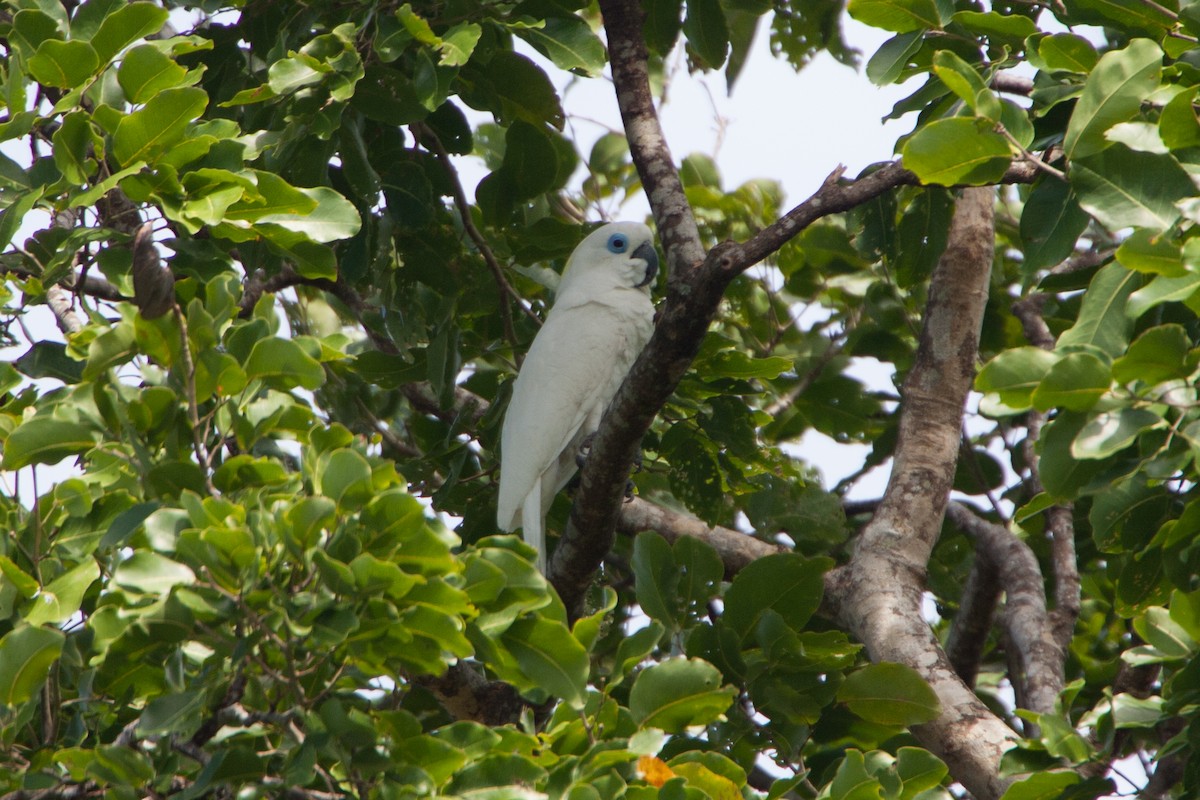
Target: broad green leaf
(126, 25)
(919, 769)
(959, 150)
(787, 583)
(343, 475)
(26, 655)
(1162, 290)
(1127, 515)
(1125, 188)
(963, 79)
(60, 599)
(1159, 354)
(1114, 92)
(1051, 223)
(145, 71)
(1075, 382)
(569, 42)
(1164, 634)
(656, 578)
(898, 16)
(64, 65)
(675, 694)
(1178, 125)
(551, 657)
(1064, 475)
(160, 123)
(893, 56)
(1112, 431)
(1014, 374)
(664, 20)
(1102, 321)
(150, 573)
(31, 27)
(25, 584)
(458, 44)
(1068, 52)
(996, 25)
(180, 713)
(889, 694)
(74, 145)
(283, 362)
(46, 440)
(707, 31)
(1151, 252)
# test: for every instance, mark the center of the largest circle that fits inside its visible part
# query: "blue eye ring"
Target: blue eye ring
(618, 243)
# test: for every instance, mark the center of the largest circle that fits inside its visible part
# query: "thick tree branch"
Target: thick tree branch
(969, 630)
(878, 594)
(648, 146)
(736, 549)
(1039, 657)
(1060, 519)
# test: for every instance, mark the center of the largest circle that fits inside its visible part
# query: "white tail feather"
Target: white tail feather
(533, 524)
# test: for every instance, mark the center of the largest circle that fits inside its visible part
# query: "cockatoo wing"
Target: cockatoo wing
(569, 377)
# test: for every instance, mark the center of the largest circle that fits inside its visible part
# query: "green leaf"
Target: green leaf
(675, 694)
(551, 657)
(707, 31)
(1014, 374)
(569, 42)
(1064, 475)
(1177, 125)
(1042, 786)
(1151, 252)
(889, 694)
(959, 150)
(1068, 52)
(1102, 321)
(46, 440)
(160, 123)
(1075, 382)
(179, 713)
(1114, 93)
(1159, 354)
(145, 71)
(26, 655)
(25, 584)
(787, 583)
(284, 363)
(1162, 290)
(898, 16)
(126, 25)
(60, 599)
(1051, 223)
(1125, 188)
(920, 770)
(64, 65)
(656, 578)
(996, 25)
(530, 161)
(963, 79)
(664, 20)
(1126, 516)
(1112, 431)
(893, 56)
(150, 573)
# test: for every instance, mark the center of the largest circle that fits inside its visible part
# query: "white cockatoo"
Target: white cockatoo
(601, 319)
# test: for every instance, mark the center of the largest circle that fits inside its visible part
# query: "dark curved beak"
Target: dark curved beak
(645, 251)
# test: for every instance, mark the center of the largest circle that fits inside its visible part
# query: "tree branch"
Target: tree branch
(969, 629)
(647, 144)
(736, 549)
(878, 594)
(1030, 633)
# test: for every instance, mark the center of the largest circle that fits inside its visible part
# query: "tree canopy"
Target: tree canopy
(284, 332)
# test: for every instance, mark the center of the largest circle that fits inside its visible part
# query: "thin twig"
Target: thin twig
(430, 139)
(189, 382)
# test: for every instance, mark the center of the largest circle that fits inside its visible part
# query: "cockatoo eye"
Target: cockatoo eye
(618, 243)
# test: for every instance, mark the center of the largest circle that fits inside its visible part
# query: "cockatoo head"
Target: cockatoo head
(618, 255)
